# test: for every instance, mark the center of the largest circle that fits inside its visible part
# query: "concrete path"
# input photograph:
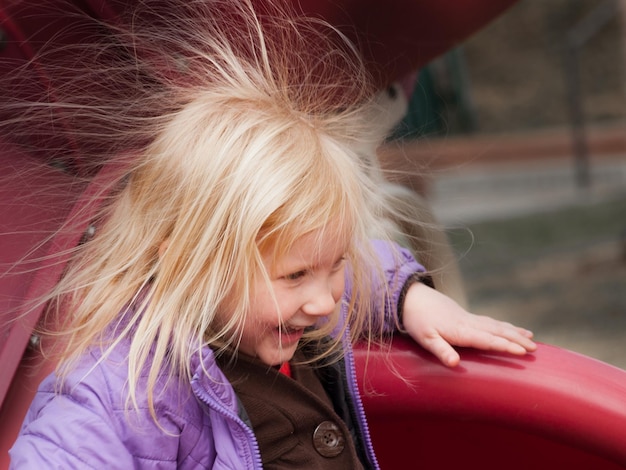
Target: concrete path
(484, 192)
(468, 179)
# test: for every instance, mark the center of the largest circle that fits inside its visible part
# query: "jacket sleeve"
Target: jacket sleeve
(399, 267)
(392, 272)
(85, 422)
(70, 429)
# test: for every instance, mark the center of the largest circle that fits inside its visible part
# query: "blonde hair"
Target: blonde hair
(241, 129)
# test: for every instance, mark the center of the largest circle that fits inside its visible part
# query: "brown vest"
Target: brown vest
(293, 419)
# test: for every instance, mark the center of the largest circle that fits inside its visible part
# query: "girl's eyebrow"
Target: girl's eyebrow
(334, 263)
(285, 270)
(282, 269)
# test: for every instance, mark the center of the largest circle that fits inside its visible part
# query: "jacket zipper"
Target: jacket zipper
(357, 404)
(228, 414)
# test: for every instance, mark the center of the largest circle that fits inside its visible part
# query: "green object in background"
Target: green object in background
(441, 101)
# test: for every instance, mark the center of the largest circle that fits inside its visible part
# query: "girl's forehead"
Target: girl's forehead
(313, 248)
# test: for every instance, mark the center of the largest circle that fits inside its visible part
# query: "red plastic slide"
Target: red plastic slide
(553, 409)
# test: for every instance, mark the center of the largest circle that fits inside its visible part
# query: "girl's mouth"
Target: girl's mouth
(289, 335)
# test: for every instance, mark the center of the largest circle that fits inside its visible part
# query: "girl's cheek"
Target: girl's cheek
(339, 285)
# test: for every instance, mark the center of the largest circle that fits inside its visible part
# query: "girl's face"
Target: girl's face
(306, 283)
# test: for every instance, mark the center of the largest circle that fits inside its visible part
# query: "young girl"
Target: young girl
(208, 323)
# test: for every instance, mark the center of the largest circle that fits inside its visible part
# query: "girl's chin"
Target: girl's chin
(277, 347)
(282, 352)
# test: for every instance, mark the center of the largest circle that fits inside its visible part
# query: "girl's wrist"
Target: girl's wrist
(421, 277)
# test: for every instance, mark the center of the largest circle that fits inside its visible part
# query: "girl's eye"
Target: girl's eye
(339, 264)
(295, 276)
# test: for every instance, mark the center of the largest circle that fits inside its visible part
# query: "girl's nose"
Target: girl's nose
(321, 301)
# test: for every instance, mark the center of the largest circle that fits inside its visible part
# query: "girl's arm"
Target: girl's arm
(437, 323)
(67, 429)
(85, 422)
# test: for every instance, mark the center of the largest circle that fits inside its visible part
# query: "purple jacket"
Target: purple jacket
(88, 424)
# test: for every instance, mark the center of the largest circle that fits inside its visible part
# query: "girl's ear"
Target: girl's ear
(163, 246)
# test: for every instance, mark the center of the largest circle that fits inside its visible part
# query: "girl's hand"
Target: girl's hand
(437, 323)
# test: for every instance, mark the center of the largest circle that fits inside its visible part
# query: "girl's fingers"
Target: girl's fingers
(512, 343)
(512, 334)
(485, 340)
(505, 339)
(441, 349)
(525, 332)
(522, 338)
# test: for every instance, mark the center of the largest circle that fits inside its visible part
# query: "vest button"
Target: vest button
(328, 439)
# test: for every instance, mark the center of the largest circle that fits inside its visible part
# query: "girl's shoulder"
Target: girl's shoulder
(395, 258)
(107, 376)
(91, 404)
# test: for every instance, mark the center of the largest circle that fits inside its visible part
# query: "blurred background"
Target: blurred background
(517, 138)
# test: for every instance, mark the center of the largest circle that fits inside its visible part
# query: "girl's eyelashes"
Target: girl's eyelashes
(339, 263)
(295, 276)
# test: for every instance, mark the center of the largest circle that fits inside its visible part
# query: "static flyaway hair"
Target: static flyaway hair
(237, 126)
